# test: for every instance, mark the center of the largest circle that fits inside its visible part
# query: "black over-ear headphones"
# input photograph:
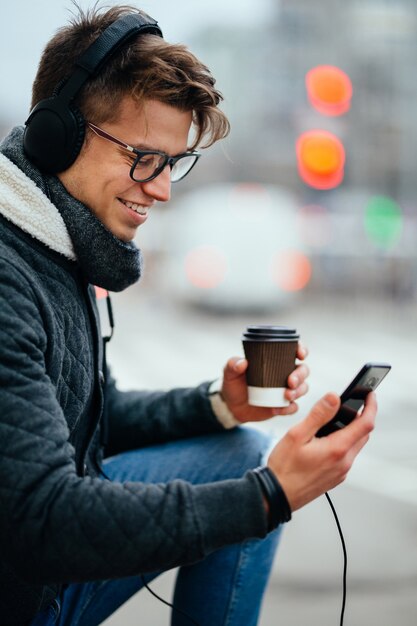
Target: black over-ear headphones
(55, 128)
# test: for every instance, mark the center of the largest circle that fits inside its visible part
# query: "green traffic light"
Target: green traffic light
(383, 221)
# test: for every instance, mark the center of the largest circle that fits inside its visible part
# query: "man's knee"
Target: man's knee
(247, 447)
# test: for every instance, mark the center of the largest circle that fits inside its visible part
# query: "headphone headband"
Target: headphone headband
(113, 39)
(55, 129)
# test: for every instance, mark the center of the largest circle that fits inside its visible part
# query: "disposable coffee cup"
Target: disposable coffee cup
(271, 353)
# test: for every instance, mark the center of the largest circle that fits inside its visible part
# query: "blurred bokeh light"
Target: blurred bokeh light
(320, 158)
(329, 90)
(206, 267)
(383, 221)
(291, 270)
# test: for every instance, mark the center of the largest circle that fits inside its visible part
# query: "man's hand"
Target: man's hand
(235, 391)
(307, 466)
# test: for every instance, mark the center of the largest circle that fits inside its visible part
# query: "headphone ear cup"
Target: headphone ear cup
(54, 135)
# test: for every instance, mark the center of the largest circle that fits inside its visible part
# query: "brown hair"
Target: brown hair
(148, 67)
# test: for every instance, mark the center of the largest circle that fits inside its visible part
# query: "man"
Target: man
(102, 490)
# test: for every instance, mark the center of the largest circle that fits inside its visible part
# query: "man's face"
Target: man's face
(100, 179)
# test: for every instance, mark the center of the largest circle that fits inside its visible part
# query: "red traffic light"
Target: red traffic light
(329, 89)
(321, 159)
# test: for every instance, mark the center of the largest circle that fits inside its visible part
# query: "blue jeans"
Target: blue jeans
(224, 589)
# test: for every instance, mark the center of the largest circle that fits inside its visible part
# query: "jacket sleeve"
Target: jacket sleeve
(140, 418)
(56, 526)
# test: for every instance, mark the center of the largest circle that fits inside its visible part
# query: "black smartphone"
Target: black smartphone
(353, 397)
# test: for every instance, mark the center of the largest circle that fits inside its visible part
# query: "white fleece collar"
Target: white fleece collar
(26, 206)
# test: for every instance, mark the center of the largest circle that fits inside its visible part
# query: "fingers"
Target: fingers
(357, 447)
(235, 393)
(308, 466)
(288, 410)
(371, 404)
(298, 376)
(293, 394)
(302, 352)
(362, 425)
(321, 413)
(234, 368)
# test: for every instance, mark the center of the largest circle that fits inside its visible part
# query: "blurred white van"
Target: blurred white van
(234, 246)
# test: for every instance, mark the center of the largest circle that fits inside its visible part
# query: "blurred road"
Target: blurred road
(161, 344)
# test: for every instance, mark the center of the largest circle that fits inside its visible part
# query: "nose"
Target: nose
(159, 188)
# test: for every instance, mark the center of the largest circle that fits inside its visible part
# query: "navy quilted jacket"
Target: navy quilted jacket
(60, 522)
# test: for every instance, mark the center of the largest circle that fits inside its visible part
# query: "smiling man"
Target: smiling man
(104, 177)
(103, 490)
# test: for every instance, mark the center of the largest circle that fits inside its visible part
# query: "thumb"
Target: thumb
(234, 368)
(321, 413)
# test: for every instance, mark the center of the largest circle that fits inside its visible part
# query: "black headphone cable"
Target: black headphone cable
(173, 607)
(342, 612)
(342, 539)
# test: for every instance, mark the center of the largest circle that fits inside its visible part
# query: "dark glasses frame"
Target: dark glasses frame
(166, 158)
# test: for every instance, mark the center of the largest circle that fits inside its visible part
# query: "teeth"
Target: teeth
(142, 210)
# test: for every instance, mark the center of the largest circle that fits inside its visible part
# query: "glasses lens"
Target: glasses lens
(182, 167)
(147, 165)
(150, 165)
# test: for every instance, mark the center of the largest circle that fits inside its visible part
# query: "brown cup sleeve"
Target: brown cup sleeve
(270, 363)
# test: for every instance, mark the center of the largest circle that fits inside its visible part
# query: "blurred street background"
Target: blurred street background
(305, 215)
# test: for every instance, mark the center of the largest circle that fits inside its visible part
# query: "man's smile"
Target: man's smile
(141, 209)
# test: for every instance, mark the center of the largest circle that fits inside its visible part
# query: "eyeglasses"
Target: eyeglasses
(148, 164)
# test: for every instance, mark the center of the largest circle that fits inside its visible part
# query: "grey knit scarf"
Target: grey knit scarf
(105, 260)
